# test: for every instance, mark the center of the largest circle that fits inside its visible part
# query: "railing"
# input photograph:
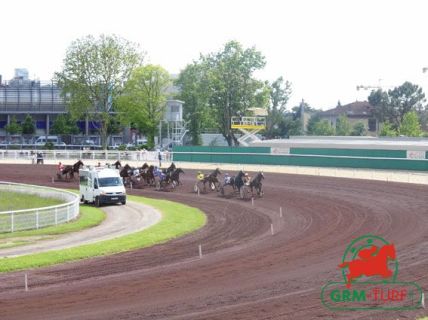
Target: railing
(100, 155)
(17, 220)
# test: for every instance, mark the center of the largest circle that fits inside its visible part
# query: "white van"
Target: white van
(42, 140)
(101, 185)
(141, 142)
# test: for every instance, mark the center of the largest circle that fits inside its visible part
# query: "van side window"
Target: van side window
(95, 183)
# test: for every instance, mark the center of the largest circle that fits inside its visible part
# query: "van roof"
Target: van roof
(102, 172)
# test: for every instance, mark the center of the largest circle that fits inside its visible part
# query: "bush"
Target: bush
(49, 146)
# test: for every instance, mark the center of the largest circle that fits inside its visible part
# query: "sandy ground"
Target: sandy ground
(246, 272)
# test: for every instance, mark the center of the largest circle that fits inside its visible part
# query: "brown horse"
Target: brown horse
(212, 180)
(69, 171)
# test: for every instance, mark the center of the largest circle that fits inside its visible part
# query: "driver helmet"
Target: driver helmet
(246, 174)
(226, 174)
(199, 172)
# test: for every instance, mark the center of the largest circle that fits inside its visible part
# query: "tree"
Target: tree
(387, 130)
(64, 124)
(314, 119)
(144, 98)
(343, 126)
(28, 126)
(410, 125)
(192, 82)
(93, 75)
(280, 92)
(359, 129)
(13, 127)
(323, 128)
(231, 87)
(391, 106)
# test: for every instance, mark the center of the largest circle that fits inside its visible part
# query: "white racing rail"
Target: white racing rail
(17, 220)
(101, 155)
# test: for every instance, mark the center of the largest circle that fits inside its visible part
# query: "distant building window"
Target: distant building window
(175, 108)
(372, 124)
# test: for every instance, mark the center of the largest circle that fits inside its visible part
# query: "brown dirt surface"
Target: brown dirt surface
(245, 272)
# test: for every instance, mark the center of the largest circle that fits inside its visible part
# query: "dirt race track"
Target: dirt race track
(245, 273)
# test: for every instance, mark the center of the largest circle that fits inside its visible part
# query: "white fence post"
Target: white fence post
(12, 223)
(37, 219)
(68, 213)
(56, 216)
(26, 282)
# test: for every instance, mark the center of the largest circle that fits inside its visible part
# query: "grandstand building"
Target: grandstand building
(43, 102)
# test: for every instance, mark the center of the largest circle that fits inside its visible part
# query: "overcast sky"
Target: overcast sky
(324, 47)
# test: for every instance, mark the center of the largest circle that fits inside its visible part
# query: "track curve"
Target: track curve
(245, 273)
(120, 220)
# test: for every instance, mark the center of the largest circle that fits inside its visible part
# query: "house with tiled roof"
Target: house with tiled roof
(358, 111)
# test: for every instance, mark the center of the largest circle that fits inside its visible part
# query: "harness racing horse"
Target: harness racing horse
(150, 176)
(237, 181)
(170, 169)
(256, 183)
(126, 173)
(175, 177)
(212, 180)
(117, 165)
(69, 171)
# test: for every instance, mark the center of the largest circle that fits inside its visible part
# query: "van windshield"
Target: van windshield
(109, 182)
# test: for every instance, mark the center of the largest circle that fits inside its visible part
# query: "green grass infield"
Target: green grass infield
(19, 201)
(177, 220)
(89, 217)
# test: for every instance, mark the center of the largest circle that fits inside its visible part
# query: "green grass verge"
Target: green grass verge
(89, 217)
(177, 220)
(20, 201)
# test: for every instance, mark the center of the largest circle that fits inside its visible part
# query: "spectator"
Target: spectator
(39, 158)
(160, 159)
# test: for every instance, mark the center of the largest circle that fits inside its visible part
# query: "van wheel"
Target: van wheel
(97, 201)
(123, 202)
(83, 200)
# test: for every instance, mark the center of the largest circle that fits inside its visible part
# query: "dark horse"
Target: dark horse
(170, 169)
(69, 171)
(256, 183)
(237, 182)
(212, 180)
(164, 180)
(147, 174)
(174, 178)
(117, 165)
(126, 172)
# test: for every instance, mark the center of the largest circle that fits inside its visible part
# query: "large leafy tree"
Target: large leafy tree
(232, 86)
(225, 86)
(93, 74)
(193, 85)
(393, 104)
(144, 98)
(280, 92)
